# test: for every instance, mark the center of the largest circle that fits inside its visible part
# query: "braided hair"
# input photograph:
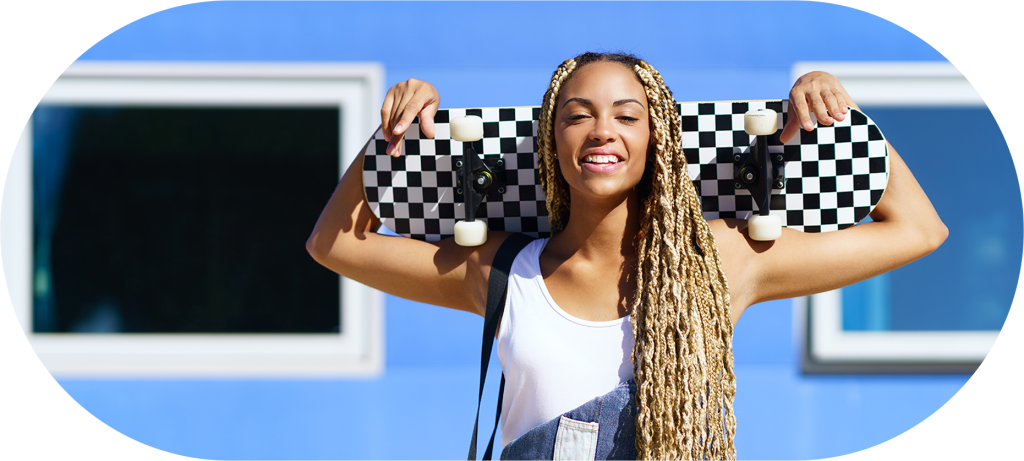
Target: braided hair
(682, 355)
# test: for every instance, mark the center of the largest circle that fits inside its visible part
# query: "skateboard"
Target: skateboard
(821, 180)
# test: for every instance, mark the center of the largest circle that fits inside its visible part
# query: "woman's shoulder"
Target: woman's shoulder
(485, 254)
(737, 253)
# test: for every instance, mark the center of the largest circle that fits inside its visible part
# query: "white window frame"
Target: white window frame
(358, 350)
(826, 347)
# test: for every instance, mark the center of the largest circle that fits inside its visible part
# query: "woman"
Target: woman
(629, 247)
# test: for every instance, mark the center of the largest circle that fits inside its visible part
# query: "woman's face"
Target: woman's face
(602, 130)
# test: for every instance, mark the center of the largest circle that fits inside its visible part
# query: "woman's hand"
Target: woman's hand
(904, 224)
(818, 92)
(403, 102)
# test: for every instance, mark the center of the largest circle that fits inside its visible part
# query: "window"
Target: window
(942, 313)
(165, 207)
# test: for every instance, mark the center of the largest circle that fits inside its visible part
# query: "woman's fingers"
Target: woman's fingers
(832, 103)
(820, 110)
(403, 103)
(385, 114)
(427, 118)
(798, 116)
(816, 92)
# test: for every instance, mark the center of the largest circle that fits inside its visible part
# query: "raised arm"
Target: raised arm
(345, 239)
(904, 226)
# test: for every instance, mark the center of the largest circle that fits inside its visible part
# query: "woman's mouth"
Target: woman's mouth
(601, 163)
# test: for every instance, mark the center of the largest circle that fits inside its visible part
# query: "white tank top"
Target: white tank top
(553, 362)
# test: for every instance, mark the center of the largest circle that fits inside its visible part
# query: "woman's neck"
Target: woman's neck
(600, 231)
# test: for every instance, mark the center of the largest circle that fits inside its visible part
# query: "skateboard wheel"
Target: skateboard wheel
(467, 129)
(761, 122)
(470, 233)
(764, 228)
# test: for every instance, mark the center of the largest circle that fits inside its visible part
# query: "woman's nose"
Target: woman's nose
(603, 130)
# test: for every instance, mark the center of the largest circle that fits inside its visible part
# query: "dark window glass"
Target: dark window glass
(181, 220)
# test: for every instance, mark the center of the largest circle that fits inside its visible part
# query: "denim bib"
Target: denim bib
(603, 428)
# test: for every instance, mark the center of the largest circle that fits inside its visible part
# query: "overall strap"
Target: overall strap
(496, 286)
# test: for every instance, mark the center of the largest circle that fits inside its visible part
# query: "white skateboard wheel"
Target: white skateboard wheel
(761, 122)
(764, 228)
(467, 129)
(470, 233)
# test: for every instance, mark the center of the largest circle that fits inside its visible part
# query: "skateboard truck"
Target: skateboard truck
(759, 173)
(475, 179)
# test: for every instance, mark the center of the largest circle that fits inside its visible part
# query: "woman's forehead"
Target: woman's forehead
(603, 79)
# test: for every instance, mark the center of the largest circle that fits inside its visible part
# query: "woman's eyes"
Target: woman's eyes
(628, 119)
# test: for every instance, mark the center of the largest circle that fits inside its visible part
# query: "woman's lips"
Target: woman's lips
(603, 168)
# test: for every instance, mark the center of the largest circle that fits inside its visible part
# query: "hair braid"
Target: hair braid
(551, 179)
(682, 355)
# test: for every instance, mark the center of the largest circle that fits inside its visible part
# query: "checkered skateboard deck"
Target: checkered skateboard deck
(834, 175)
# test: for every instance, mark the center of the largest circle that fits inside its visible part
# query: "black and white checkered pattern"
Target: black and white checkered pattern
(414, 195)
(834, 175)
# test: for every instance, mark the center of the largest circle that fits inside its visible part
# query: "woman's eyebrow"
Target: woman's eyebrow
(585, 102)
(626, 101)
(588, 102)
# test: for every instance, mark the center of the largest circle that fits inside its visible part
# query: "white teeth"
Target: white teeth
(600, 159)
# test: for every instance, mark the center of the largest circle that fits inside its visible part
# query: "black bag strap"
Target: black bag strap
(496, 286)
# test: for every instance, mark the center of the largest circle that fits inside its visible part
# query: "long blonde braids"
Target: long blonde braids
(682, 355)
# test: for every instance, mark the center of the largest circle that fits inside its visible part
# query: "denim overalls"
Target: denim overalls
(603, 428)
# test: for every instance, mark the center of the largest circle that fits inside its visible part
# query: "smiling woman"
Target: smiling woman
(668, 278)
(628, 243)
(674, 290)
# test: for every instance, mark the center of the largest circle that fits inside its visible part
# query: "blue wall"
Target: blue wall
(422, 406)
